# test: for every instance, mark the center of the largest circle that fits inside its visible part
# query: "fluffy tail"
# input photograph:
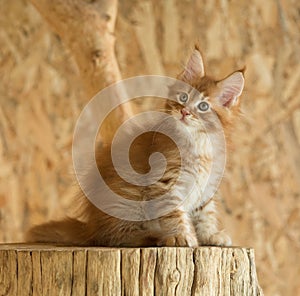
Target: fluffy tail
(67, 231)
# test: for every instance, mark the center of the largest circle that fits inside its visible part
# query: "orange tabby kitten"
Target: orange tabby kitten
(191, 223)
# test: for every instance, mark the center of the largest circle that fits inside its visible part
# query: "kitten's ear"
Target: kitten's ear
(194, 67)
(230, 88)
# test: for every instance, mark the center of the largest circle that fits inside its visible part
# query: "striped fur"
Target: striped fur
(194, 221)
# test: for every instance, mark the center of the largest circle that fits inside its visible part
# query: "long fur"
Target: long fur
(193, 222)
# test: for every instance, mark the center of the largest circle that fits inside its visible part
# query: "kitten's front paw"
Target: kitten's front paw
(178, 241)
(217, 239)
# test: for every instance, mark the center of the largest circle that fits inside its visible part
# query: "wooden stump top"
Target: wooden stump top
(54, 270)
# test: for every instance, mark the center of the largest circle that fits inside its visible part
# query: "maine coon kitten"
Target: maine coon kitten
(192, 223)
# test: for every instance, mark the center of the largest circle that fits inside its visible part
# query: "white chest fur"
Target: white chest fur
(196, 169)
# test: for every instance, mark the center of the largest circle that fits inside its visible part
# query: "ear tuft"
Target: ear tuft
(194, 68)
(230, 88)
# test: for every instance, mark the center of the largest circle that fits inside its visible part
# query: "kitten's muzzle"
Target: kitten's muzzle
(185, 112)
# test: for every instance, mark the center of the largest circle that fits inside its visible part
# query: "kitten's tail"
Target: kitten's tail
(68, 231)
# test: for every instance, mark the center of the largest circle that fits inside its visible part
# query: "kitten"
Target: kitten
(193, 222)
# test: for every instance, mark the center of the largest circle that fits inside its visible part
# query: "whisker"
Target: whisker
(164, 109)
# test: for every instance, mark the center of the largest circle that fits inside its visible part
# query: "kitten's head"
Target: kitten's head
(213, 100)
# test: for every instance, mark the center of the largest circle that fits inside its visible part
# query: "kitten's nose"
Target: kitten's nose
(185, 112)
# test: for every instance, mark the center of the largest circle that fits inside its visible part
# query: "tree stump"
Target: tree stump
(53, 270)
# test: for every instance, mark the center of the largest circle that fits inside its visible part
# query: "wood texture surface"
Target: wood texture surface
(42, 94)
(87, 28)
(51, 271)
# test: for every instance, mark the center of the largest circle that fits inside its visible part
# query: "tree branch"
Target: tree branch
(87, 29)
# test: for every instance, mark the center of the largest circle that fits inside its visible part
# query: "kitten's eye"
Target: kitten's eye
(183, 97)
(203, 106)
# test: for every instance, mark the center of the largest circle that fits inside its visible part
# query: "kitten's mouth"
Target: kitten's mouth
(185, 113)
(183, 119)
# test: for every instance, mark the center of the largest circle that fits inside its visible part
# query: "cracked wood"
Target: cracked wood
(51, 270)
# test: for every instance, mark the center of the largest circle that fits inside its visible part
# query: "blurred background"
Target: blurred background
(41, 96)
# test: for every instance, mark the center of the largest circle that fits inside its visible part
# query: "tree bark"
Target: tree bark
(49, 270)
(87, 29)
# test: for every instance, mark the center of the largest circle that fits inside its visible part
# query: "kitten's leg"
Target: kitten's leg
(176, 229)
(206, 226)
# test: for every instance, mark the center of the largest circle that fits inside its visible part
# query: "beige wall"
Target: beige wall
(41, 97)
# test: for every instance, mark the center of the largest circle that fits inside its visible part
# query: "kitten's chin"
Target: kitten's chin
(188, 123)
(184, 121)
(191, 126)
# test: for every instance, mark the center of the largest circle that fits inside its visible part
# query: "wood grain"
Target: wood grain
(94, 52)
(43, 91)
(65, 271)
